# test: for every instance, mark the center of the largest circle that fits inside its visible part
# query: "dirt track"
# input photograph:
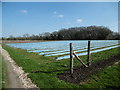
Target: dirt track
(17, 78)
(12, 78)
(82, 73)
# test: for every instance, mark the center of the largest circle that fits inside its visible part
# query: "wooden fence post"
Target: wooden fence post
(79, 59)
(88, 58)
(71, 59)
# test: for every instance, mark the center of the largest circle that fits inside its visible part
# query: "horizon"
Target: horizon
(38, 17)
(54, 31)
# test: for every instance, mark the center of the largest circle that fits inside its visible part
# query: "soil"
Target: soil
(20, 41)
(23, 41)
(82, 74)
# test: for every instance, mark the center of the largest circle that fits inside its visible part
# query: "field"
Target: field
(81, 73)
(44, 70)
(60, 49)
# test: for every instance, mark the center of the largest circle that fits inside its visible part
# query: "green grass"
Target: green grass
(108, 78)
(0, 71)
(46, 78)
(3, 73)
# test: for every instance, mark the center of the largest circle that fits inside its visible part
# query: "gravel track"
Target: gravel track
(17, 78)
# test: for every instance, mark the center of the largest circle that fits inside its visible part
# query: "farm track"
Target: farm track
(17, 78)
(81, 74)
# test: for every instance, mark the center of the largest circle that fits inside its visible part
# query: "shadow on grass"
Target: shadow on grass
(49, 72)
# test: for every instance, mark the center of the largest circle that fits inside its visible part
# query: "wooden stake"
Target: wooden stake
(79, 59)
(71, 59)
(88, 58)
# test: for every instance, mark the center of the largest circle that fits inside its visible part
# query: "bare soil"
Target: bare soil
(26, 41)
(23, 41)
(82, 73)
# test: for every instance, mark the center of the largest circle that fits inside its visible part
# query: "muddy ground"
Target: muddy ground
(82, 73)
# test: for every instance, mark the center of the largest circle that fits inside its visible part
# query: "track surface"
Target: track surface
(82, 73)
(12, 77)
(17, 78)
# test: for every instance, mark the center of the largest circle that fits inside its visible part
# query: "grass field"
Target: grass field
(108, 78)
(0, 71)
(3, 73)
(49, 68)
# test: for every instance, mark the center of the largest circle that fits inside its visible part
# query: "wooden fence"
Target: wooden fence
(73, 53)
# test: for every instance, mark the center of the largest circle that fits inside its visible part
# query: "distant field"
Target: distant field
(22, 41)
(46, 69)
(61, 50)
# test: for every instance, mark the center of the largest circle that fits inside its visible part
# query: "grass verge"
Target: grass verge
(49, 68)
(3, 73)
(0, 71)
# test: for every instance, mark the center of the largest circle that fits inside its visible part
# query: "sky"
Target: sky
(60, 0)
(0, 19)
(19, 18)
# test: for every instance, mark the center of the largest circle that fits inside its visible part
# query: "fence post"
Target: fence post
(88, 58)
(71, 59)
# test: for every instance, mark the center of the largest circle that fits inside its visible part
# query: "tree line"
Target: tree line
(74, 33)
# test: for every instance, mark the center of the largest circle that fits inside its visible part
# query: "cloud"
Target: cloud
(24, 11)
(79, 20)
(60, 16)
(55, 12)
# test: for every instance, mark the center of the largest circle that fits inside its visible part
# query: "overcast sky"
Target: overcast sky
(38, 17)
